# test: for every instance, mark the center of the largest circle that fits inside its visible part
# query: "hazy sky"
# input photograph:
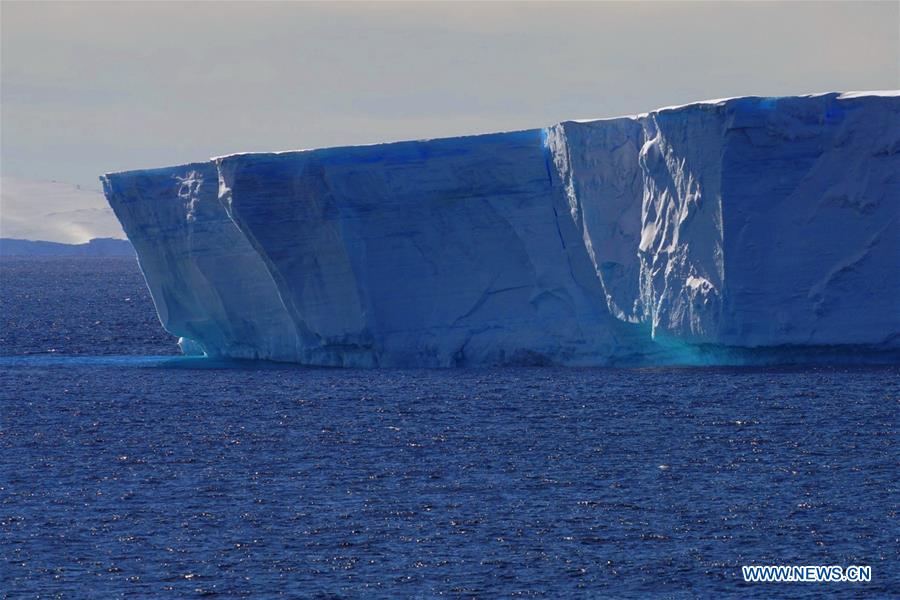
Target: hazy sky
(95, 87)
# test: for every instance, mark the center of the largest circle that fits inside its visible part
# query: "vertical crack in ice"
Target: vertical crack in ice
(189, 192)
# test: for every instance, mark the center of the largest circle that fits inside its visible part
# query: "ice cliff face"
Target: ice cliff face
(747, 222)
(209, 285)
(738, 224)
(444, 252)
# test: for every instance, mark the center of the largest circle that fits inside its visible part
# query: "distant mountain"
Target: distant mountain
(54, 210)
(95, 247)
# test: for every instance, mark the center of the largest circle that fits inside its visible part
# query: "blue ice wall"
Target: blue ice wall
(748, 229)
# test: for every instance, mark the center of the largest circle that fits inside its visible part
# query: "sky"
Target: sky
(87, 88)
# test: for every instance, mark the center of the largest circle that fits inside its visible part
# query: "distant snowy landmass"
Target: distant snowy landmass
(738, 230)
(54, 211)
(95, 247)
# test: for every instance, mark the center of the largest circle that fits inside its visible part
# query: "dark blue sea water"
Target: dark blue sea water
(129, 473)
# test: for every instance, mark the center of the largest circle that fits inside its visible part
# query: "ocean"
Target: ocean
(128, 470)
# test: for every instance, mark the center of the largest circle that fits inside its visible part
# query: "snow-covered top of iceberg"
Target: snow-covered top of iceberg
(721, 101)
(155, 171)
(711, 102)
(469, 136)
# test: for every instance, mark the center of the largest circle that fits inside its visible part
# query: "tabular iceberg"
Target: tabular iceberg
(720, 231)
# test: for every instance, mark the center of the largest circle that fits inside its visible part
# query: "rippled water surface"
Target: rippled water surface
(93, 306)
(155, 476)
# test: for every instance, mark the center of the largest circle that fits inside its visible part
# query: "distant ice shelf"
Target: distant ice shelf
(731, 231)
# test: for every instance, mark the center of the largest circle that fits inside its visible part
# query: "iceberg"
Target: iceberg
(724, 231)
(209, 286)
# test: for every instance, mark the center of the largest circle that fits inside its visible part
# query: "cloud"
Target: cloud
(94, 87)
(54, 211)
